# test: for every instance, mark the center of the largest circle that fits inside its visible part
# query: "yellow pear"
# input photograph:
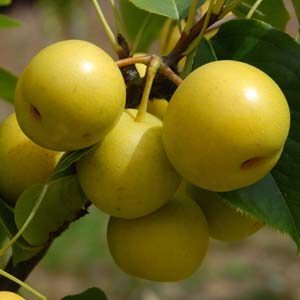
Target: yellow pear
(70, 96)
(226, 126)
(10, 296)
(22, 163)
(141, 68)
(157, 107)
(168, 245)
(225, 223)
(128, 175)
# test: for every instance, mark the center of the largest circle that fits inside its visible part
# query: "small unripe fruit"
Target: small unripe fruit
(226, 126)
(225, 223)
(10, 296)
(70, 96)
(141, 68)
(168, 245)
(157, 107)
(22, 162)
(128, 174)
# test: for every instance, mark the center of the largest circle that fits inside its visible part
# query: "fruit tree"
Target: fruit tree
(197, 140)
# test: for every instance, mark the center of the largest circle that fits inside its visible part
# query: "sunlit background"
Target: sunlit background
(264, 266)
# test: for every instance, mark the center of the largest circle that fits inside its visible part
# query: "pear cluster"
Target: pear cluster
(156, 176)
(9, 296)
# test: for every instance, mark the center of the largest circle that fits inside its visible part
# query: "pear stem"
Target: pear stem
(198, 40)
(152, 69)
(218, 6)
(230, 8)
(188, 65)
(116, 15)
(170, 74)
(219, 23)
(22, 284)
(164, 68)
(27, 222)
(107, 28)
(191, 16)
(145, 60)
(253, 9)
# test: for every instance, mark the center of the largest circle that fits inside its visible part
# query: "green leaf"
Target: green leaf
(174, 9)
(7, 85)
(8, 22)
(296, 4)
(184, 7)
(298, 38)
(134, 19)
(273, 12)
(3, 234)
(3, 239)
(278, 55)
(204, 54)
(66, 166)
(9, 225)
(5, 2)
(90, 294)
(62, 202)
(265, 201)
(20, 254)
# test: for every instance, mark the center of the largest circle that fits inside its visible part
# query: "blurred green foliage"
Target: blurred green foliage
(5, 2)
(64, 18)
(84, 242)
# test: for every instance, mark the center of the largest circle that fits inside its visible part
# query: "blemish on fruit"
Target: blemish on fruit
(86, 136)
(250, 163)
(35, 112)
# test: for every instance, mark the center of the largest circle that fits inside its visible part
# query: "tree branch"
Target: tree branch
(23, 269)
(186, 39)
(164, 84)
(170, 74)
